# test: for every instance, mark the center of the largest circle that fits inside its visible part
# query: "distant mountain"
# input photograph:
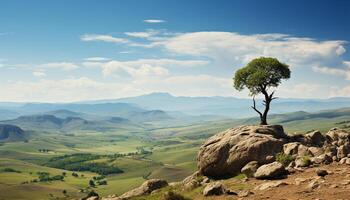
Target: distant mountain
(11, 133)
(44, 122)
(101, 109)
(226, 106)
(8, 114)
(47, 122)
(148, 116)
(62, 113)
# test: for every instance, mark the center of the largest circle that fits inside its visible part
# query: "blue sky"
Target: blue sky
(61, 51)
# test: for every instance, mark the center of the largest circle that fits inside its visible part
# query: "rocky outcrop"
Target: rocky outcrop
(146, 188)
(270, 171)
(226, 153)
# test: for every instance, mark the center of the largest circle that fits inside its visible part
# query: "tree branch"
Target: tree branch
(254, 107)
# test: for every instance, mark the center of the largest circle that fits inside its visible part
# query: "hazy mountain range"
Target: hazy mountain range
(166, 106)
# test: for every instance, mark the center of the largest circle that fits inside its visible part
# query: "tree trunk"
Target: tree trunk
(267, 101)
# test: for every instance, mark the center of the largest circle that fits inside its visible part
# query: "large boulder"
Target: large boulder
(226, 153)
(270, 171)
(146, 188)
(315, 138)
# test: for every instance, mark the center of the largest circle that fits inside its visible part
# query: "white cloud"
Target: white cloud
(340, 92)
(143, 67)
(39, 73)
(154, 21)
(96, 59)
(146, 34)
(342, 71)
(302, 90)
(236, 49)
(103, 38)
(66, 66)
(83, 88)
(65, 90)
(124, 68)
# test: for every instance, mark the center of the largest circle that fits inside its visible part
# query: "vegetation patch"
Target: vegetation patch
(82, 162)
(284, 158)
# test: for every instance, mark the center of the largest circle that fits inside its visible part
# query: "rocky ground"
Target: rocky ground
(303, 184)
(269, 163)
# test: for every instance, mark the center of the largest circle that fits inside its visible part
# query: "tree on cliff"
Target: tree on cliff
(258, 76)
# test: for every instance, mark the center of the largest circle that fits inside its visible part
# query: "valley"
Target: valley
(122, 148)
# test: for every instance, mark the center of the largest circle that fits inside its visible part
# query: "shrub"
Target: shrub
(7, 169)
(91, 194)
(284, 158)
(173, 196)
(91, 183)
(306, 161)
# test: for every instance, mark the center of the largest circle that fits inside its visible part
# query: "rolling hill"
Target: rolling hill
(11, 133)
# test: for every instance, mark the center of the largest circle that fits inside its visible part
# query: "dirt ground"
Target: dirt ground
(301, 185)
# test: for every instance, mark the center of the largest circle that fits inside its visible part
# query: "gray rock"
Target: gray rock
(250, 168)
(270, 184)
(343, 151)
(228, 152)
(315, 138)
(321, 172)
(270, 171)
(291, 148)
(316, 151)
(316, 183)
(216, 188)
(345, 161)
(303, 151)
(244, 193)
(339, 136)
(146, 188)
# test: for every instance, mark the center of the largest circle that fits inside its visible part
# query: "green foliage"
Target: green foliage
(90, 194)
(45, 177)
(79, 162)
(91, 183)
(306, 161)
(260, 74)
(7, 169)
(284, 158)
(102, 182)
(173, 196)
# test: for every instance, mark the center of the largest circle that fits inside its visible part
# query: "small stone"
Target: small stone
(299, 181)
(270, 184)
(215, 188)
(250, 168)
(244, 193)
(321, 172)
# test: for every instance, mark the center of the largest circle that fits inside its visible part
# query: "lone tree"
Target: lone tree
(259, 76)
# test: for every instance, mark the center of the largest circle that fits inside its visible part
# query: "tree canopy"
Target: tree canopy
(258, 76)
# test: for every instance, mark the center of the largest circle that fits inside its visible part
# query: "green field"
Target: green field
(171, 155)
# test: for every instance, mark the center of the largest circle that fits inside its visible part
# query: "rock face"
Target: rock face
(146, 188)
(270, 171)
(226, 153)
